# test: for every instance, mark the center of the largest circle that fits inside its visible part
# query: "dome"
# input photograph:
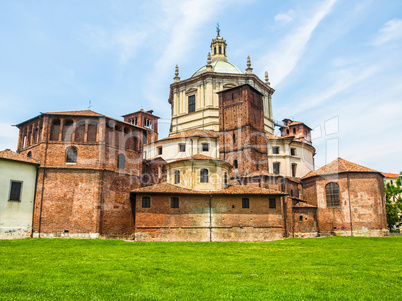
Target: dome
(220, 66)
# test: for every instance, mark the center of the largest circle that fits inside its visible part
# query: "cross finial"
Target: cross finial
(89, 105)
(218, 30)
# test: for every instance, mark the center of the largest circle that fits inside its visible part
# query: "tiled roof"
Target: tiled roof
(75, 113)
(338, 166)
(91, 113)
(244, 189)
(237, 189)
(192, 133)
(142, 111)
(261, 173)
(199, 157)
(304, 205)
(296, 180)
(10, 155)
(390, 175)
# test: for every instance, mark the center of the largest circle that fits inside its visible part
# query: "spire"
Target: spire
(176, 73)
(218, 46)
(249, 69)
(266, 78)
(209, 66)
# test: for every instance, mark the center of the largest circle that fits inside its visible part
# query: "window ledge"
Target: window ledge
(71, 163)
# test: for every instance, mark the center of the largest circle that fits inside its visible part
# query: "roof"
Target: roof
(8, 154)
(261, 173)
(237, 189)
(232, 88)
(199, 157)
(85, 113)
(303, 205)
(75, 113)
(149, 112)
(296, 123)
(390, 175)
(339, 166)
(220, 66)
(192, 133)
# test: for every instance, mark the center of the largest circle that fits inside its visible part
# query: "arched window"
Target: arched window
(235, 165)
(92, 130)
(225, 178)
(214, 50)
(71, 156)
(332, 193)
(68, 128)
(301, 218)
(29, 155)
(121, 161)
(177, 177)
(220, 50)
(55, 130)
(291, 192)
(80, 131)
(204, 176)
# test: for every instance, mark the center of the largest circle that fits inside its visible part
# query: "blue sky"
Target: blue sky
(335, 64)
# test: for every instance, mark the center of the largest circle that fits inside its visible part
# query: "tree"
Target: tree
(393, 195)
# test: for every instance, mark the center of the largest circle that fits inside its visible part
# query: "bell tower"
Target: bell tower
(218, 46)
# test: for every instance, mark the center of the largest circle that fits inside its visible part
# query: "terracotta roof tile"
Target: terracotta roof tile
(75, 113)
(193, 133)
(10, 155)
(338, 166)
(390, 175)
(199, 157)
(303, 205)
(237, 189)
(261, 173)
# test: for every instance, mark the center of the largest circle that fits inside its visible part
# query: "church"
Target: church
(221, 174)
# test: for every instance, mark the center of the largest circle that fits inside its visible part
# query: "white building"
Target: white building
(17, 194)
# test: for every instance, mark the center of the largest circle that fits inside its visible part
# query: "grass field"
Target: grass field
(333, 268)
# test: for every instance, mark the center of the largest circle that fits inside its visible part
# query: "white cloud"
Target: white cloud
(286, 17)
(391, 31)
(281, 61)
(123, 41)
(341, 80)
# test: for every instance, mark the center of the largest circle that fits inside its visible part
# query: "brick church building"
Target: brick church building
(221, 174)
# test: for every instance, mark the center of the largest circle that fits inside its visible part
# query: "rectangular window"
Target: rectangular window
(15, 191)
(191, 103)
(275, 150)
(182, 148)
(146, 202)
(272, 203)
(160, 150)
(276, 167)
(245, 203)
(294, 166)
(174, 202)
(205, 147)
(293, 152)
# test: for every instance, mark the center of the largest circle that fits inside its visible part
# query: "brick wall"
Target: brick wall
(205, 218)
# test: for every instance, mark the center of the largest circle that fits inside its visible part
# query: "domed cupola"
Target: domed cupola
(218, 47)
(218, 63)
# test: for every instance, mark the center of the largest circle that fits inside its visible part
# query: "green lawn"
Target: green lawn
(335, 268)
